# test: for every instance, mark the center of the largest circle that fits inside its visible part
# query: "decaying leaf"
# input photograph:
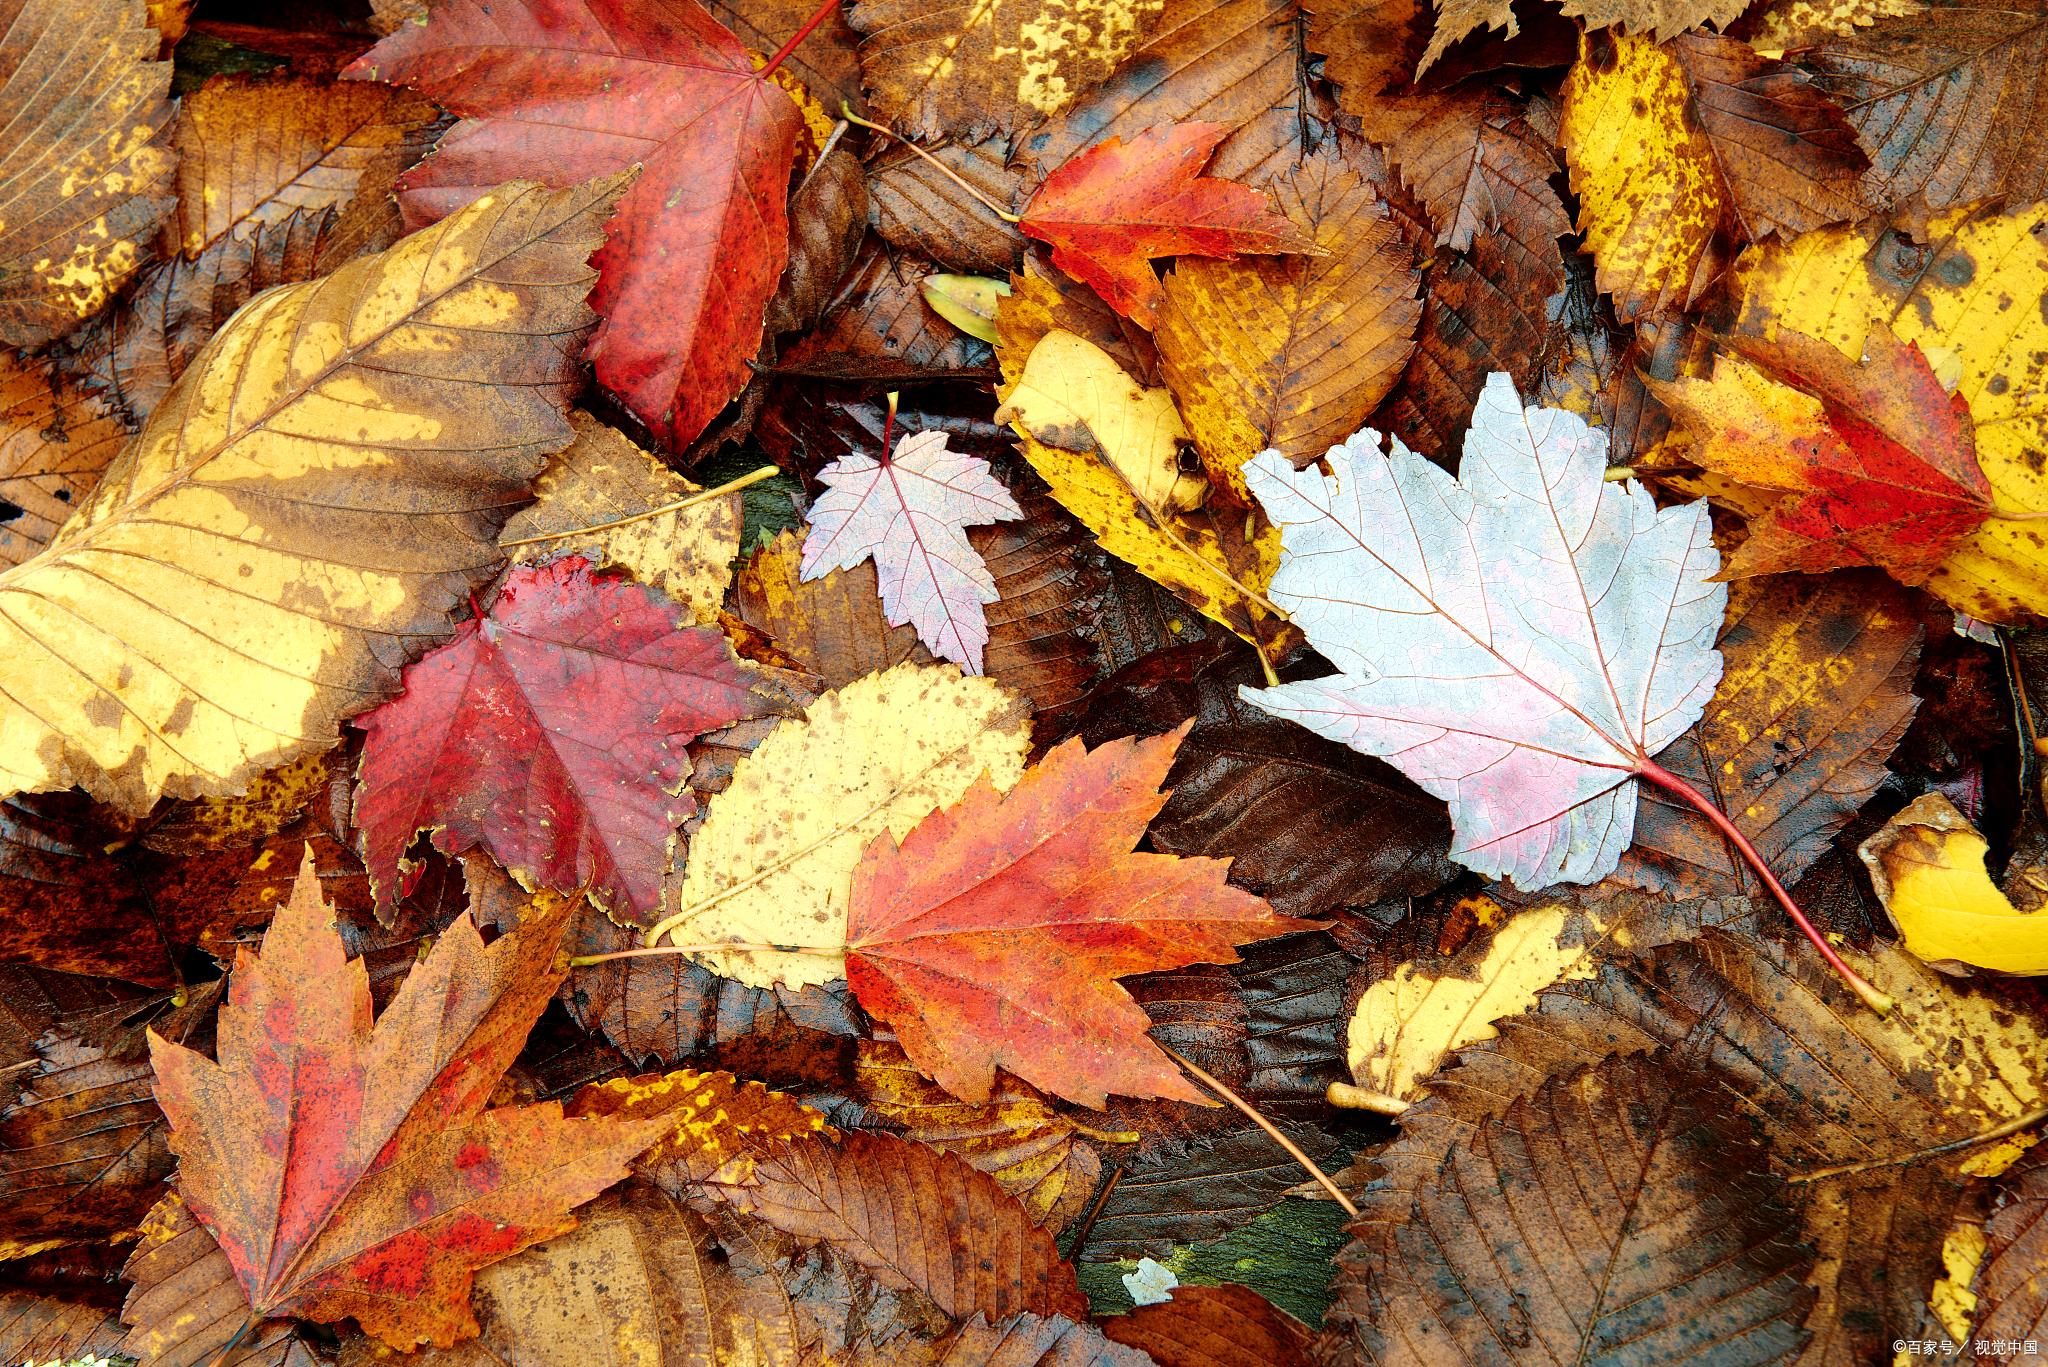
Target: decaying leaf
(831, 623)
(54, 442)
(573, 90)
(1017, 1341)
(1214, 1326)
(2012, 1288)
(551, 732)
(82, 97)
(603, 479)
(773, 862)
(380, 1193)
(944, 921)
(1525, 622)
(151, 649)
(45, 1329)
(909, 515)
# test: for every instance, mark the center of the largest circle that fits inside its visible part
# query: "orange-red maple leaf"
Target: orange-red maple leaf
(1112, 210)
(994, 936)
(564, 90)
(350, 1169)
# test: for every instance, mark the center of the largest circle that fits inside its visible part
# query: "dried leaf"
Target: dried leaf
(1019, 1341)
(378, 1195)
(909, 516)
(693, 253)
(831, 624)
(551, 732)
(828, 217)
(2012, 1287)
(44, 1329)
(198, 658)
(82, 1148)
(54, 442)
(1665, 19)
(1468, 641)
(82, 96)
(880, 322)
(1292, 352)
(185, 1308)
(920, 210)
(1214, 1326)
(773, 862)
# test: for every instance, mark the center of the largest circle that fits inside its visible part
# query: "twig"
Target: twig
(732, 486)
(1272, 1131)
(1116, 1175)
(846, 112)
(2010, 1127)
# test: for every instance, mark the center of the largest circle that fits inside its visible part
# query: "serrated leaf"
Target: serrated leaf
(1517, 640)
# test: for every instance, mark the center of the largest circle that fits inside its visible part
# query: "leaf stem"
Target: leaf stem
(720, 947)
(1996, 1132)
(846, 112)
(731, 486)
(1672, 783)
(824, 12)
(1272, 1130)
(1345, 1096)
(889, 426)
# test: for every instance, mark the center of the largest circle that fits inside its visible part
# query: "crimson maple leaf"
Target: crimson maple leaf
(1878, 462)
(1114, 208)
(552, 733)
(350, 1169)
(994, 935)
(565, 90)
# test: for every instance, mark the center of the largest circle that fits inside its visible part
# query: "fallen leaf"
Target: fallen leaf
(604, 478)
(879, 321)
(965, 70)
(1213, 1326)
(1109, 211)
(1664, 1235)
(1183, 1190)
(1961, 295)
(573, 90)
(909, 516)
(45, 1329)
(1928, 866)
(1055, 614)
(1815, 693)
(1109, 451)
(1292, 352)
(1043, 300)
(773, 862)
(54, 442)
(551, 732)
(1018, 1341)
(1877, 463)
(1658, 20)
(826, 62)
(943, 926)
(379, 1194)
(1033, 1150)
(832, 623)
(922, 210)
(828, 218)
(88, 181)
(917, 1218)
(252, 153)
(204, 658)
(185, 1307)
(1468, 641)
(82, 1148)
(2012, 1292)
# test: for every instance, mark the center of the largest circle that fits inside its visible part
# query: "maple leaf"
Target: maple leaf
(349, 1168)
(1878, 462)
(551, 732)
(993, 934)
(909, 516)
(1518, 640)
(1114, 208)
(567, 89)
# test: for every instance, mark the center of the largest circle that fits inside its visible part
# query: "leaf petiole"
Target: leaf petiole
(846, 112)
(675, 506)
(1272, 1131)
(810, 26)
(1656, 773)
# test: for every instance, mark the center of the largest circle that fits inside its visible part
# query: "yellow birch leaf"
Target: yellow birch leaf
(1110, 450)
(304, 508)
(773, 862)
(603, 478)
(1928, 866)
(1649, 195)
(1972, 292)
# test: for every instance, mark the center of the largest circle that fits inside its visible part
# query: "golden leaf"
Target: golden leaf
(603, 478)
(1972, 294)
(773, 862)
(301, 511)
(1928, 866)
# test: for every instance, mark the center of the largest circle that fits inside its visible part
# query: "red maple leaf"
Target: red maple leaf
(1114, 208)
(350, 1169)
(994, 936)
(552, 733)
(565, 90)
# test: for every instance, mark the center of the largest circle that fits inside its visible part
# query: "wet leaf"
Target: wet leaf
(1214, 1326)
(1928, 865)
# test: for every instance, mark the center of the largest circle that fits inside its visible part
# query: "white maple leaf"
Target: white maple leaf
(910, 517)
(1520, 640)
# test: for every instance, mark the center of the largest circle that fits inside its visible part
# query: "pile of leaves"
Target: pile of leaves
(1207, 683)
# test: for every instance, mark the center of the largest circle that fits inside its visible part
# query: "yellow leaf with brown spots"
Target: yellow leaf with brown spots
(721, 1125)
(603, 478)
(1110, 450)
(1971, 295)
(832, 625)
(251, 153)
(773, 862)
(83, 173)
(1293, 352)
(324, 483)
(967, 68)
(1643, 169)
